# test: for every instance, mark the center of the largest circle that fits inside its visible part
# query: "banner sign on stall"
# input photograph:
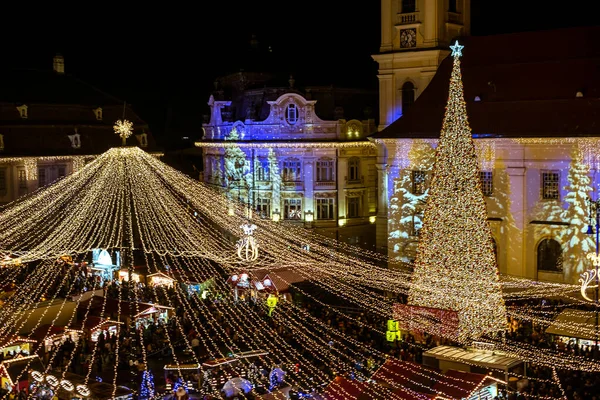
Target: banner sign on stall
(435, 321)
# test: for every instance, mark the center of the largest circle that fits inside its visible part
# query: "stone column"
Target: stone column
(517, 265)
(342, 177)
(309, 179)
(387, 26)
(386, 100)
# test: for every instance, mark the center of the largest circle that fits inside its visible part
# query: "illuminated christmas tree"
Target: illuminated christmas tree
(455, 266)
(577, 244)
(147, 390)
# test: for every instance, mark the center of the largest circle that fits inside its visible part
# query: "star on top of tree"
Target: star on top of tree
(456, 49)
(124, 129)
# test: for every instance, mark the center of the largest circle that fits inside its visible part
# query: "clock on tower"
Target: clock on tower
(408, 38)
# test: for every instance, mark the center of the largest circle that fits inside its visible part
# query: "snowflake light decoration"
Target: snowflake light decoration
(124, 129)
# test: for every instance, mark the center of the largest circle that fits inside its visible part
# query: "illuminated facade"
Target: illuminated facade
(52, 124)
(415, 35)
(288, 164)
(537, 141)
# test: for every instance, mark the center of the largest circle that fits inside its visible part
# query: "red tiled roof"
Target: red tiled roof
(57, 105)
(345, 389)
(461, 387)
(398, 373)
(527, 83)
(282, 279)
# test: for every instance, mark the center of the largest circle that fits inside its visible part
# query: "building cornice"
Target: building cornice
(287, 145)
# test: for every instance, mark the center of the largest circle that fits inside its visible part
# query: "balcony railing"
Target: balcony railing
(408, 18)
(360, 181)
(455, 18)
(324, 183)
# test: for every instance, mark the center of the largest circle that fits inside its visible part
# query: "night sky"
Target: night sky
(169, 56)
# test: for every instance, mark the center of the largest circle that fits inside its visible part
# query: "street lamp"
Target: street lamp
(276, 215)
(588, 276)
(309, 218)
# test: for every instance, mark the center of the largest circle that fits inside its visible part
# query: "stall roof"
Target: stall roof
(460, 385)
(282, 278)
(397, 373)
(14, 367)
(14, 340)
(482, 358)
(574, 323)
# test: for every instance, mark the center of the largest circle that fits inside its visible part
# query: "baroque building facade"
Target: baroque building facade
(533, 101)
(52, 124)
(268, 148)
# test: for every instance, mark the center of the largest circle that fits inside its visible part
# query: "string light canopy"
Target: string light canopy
(129, 200)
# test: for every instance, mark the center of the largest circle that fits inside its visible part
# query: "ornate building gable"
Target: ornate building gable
(293, 114)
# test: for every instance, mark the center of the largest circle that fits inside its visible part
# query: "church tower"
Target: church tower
(415, 35)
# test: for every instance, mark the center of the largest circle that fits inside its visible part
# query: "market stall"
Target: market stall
(16, 345)
(160, 279)
(104, 264)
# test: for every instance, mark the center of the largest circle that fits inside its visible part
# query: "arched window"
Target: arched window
(408, 96)
(549, 256)
(291, 114)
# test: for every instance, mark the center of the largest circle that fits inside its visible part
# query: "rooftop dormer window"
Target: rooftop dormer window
(22, 111)
(98, 113)
(291, 114)
(75, 140)
(142, 139)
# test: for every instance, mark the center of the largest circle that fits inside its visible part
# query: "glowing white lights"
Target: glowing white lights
(124, 129)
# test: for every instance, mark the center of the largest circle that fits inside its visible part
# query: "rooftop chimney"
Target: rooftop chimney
(59, 64)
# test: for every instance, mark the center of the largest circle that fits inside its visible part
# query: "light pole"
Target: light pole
(594, 207)
(309, 218)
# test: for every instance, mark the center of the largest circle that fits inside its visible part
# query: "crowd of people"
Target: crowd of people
(123, 353)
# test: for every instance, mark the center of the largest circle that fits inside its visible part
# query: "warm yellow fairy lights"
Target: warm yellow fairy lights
(455, 249)
(124, 129)
(176, 221)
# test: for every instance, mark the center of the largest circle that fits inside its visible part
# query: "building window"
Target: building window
(354, 169)
(408, 96)
(416, 223)
(452, 6)
(292, 170)
(325, 209)
(291, 114)
(22, 177)
(325, 171)
(62, 171)
(550, 182)
(409, 6)
(75, 140)
(22, 111)
(292, 208)
(142, 139)
(418, 182)
(263, 208)
(98, 113)
(2, 181)
(353, 207)
(261, 170)
(42, 180)
(487, 183)
(1, 142)
(549, 256)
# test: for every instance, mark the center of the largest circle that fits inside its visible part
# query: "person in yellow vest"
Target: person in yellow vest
(271, 303)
